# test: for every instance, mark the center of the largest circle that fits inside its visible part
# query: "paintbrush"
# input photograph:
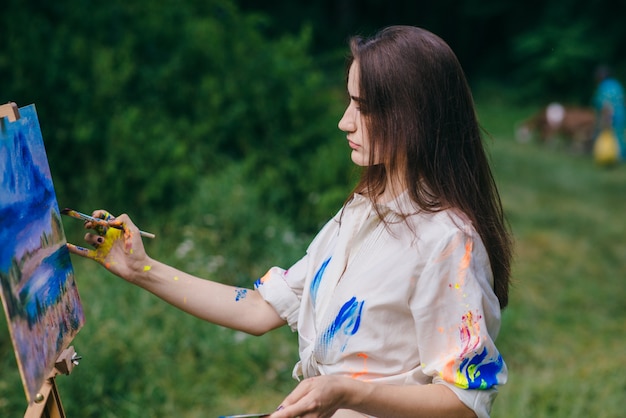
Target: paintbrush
(78, 215)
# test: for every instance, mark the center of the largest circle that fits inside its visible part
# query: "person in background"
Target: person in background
(397, 301)
(608, 100)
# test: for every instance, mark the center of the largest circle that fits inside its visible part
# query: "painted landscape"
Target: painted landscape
(38, 290)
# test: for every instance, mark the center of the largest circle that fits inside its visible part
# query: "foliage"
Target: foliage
(230, 220)
(138, 100)
(546, 50)
(562, 55)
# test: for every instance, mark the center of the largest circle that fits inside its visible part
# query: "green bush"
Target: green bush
(230, 232)
(137, 100)
(556, 62)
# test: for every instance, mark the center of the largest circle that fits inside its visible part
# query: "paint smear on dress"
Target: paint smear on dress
(364, 371)
(464, 265)
(472, 370)
(315, 283)
(345, 325)
(259, 282)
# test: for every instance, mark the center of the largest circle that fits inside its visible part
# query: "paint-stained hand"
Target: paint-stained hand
(117, 247)
(316, 397)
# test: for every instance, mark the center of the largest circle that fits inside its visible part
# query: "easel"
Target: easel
(47, 402)
(10, 111)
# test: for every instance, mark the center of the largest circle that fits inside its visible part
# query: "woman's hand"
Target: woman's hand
(318, 397)
(116, 245)
(345, 397)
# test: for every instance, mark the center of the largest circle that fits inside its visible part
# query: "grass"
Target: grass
(563, 332)
(562, 335)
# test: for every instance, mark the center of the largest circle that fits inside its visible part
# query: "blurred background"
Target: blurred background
(214, 124)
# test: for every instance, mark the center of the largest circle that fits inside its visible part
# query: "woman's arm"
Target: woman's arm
(232, 307)
(323, 396)
(121, 251)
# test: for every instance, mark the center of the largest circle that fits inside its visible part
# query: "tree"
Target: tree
(139, 100)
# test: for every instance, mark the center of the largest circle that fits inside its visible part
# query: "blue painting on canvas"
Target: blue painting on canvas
(39, 294)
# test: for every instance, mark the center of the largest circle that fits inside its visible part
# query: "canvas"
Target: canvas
(39, 294)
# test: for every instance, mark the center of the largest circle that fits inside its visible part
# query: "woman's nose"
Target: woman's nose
(346, 123)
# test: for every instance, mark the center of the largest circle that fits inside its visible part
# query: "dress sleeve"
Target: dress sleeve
(457, 318)
(283, 290)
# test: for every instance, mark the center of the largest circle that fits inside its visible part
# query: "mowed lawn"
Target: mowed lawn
(564, 333)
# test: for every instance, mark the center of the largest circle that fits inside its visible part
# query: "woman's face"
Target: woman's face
(352, 122)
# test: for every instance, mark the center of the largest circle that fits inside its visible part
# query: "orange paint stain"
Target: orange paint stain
(363, 371)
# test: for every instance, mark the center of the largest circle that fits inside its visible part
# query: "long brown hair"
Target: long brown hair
(422, 126)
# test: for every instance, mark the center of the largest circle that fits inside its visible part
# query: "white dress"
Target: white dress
(394, 304)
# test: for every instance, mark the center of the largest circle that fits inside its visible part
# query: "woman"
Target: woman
(608, 101)
(397, 300)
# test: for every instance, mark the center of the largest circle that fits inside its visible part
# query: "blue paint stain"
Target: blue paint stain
(240, 294)
(346, 323)
(481, 376)
(315, 284)
(258, 283)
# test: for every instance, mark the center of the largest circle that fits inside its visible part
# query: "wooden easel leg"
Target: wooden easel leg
(54, 408)
(50, 405)
(47, 404)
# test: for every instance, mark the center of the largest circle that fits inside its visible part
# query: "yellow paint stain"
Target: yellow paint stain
(103, 250)
(450, 375)
(185, 300)
(176, 278)
(147, 268)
